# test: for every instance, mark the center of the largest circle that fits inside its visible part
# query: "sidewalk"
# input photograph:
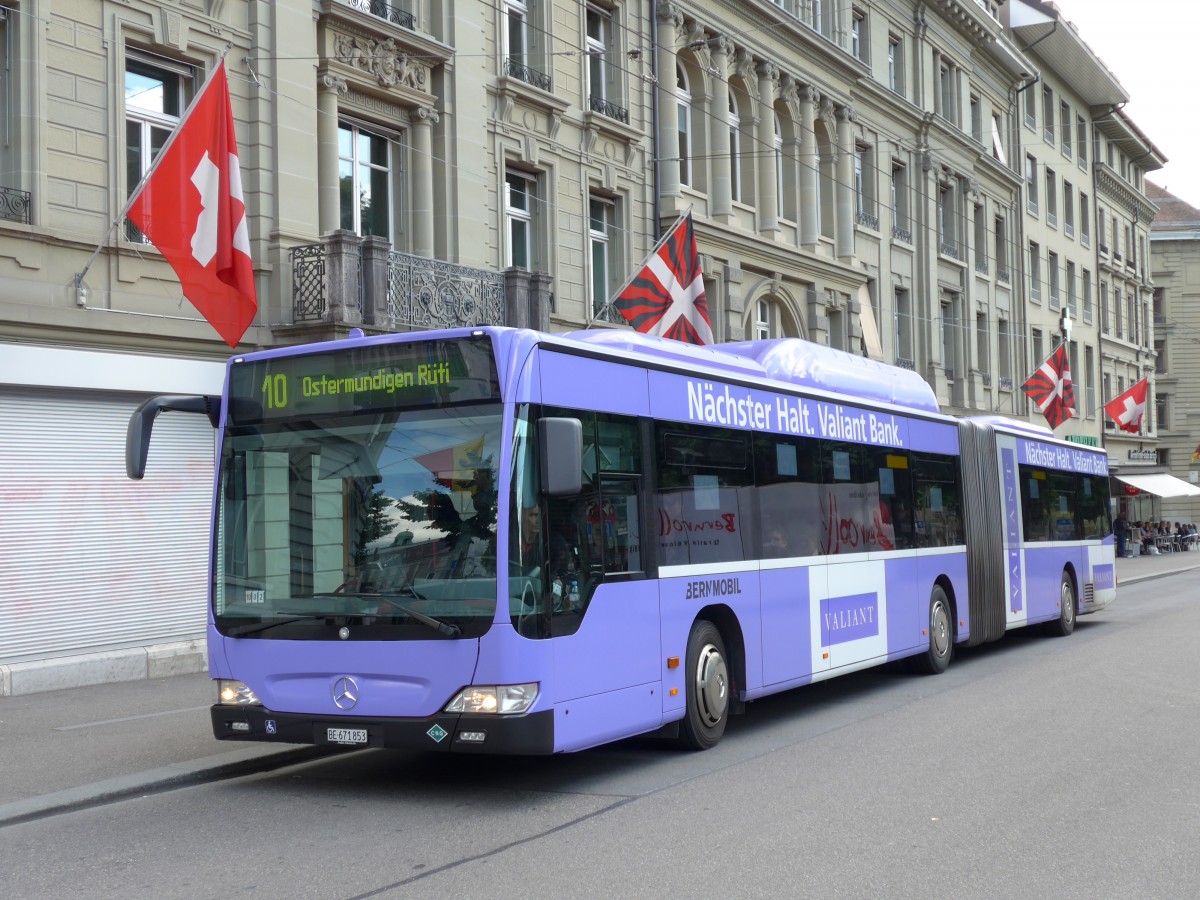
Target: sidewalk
(71, 748)
(64, 749)
(1141, 568)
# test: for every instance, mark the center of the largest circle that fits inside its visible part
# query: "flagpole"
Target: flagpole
(79, 276)
(636, 272)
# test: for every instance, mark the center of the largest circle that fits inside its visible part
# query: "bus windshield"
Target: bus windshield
(370, 526)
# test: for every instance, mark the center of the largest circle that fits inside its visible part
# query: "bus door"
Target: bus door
(604, 612)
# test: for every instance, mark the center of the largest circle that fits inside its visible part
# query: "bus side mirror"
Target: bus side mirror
(137, 435)
(561, 446)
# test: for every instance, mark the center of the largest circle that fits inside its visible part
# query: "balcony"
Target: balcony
(386, 12)
(1004, 277)
(981, 267)
(948, 249)
(1006, 383)
(14, 205)
(607, 108)
(346, 280)
(986, 379)
(868, 221)
(514, 68)
(901, 234)
(906, 363)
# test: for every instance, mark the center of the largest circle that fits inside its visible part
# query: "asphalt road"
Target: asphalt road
(1035, 767)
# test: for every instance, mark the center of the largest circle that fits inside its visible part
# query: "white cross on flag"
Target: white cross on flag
(191, 208)
(1128, 408)
(666, 298)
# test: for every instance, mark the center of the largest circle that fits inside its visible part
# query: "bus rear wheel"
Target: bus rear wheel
(1066, 608)
(936, 657)
(708, 688)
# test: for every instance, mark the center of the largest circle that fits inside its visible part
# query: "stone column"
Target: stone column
(670, 21)
(423, 120)
(722, 193)
(343, 302)
(768, 184)
(329, 208)
(375, 261)
(844, 189)
(810, 212)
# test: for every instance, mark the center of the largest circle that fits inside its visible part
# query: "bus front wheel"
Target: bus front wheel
(1066, 608)
(936, 657)
(708, 688)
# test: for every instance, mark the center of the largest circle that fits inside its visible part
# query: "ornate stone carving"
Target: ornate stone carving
(335, 83)
(744, 66)
(391, 66)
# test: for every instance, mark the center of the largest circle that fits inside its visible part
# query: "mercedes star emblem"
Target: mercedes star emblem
(345, 692)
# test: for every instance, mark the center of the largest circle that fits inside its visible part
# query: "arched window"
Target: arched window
(779, 166)
(735, 149)
(683, 99)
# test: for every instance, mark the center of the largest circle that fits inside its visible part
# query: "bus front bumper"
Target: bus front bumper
(530, 734)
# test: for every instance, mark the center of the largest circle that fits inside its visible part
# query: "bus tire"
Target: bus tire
(708, 688)
(1067, 611)
(937, 655)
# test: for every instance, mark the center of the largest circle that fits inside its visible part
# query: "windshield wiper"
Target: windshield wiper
(436, 624)
(263, 626)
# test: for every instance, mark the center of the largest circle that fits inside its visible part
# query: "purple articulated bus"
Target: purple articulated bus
(501, 541)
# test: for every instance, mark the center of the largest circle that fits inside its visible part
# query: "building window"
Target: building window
(520, 208)
(998, 141)
(904, 346)
(762, 320)
(365, 182)
(859, 39)
(1052, 276)
(982, 343)
(1071, 290)
(155, 97)
(1037, 345)
(899, 198)
(1048, 114)
(1068, 209)
(599, 42)
(945, 98)
(781, 207)
(1051, 198)
(976, 119)
(602, 228)
(735, 149)
(1104, 320)
(1089, 375)
(947, 221)
(1004, 353)
(896, 64)
(1035, 271)
(683, 100)
(1001, 248)
(1030, 108)
(1081, 141)
(1031, 185)
(521, 45)
(1085, 225)
(1087, 296)
(981, 242)
(1064, 124)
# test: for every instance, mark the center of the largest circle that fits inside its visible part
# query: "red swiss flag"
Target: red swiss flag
(191, 209)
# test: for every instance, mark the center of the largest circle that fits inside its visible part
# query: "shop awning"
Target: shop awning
(1161, 485)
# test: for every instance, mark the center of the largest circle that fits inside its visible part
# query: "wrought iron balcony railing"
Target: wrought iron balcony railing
(949, 250)
(342, 280)
(901, 234)
(1003, 277)
(514, 68)
(14, 205)
(906, 363)
(430, 293)
(869, 221)
(386, 11)
(608, 108)
(981, 267)
(1006, 383)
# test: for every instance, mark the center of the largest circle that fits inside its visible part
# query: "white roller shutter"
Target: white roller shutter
(90, 560)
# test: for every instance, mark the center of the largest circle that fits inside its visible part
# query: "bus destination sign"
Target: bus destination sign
(362, 379)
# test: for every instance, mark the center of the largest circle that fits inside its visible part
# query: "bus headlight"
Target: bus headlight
(501, 699)
(235, 693)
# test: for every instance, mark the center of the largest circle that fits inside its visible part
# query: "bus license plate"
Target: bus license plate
(346, 735)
